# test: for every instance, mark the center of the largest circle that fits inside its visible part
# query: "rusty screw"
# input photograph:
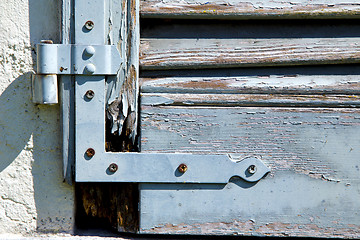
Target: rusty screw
(89, 94)
(182, 168)
(89, 25)
(113, 167)
(90, 152)
(252, 169)
(46, 41)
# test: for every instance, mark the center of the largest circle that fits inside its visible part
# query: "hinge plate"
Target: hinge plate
(77, 59)
(165, 168)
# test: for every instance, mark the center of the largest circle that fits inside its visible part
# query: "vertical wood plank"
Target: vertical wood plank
(67, 98)
(111, 204)
(122, 92)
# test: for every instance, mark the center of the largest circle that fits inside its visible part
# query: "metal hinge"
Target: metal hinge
(65, 59)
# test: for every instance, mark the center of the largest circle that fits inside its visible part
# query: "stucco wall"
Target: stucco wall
(33, 196)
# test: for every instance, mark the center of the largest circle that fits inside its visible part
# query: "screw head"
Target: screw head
(252, 169)
(89, 25)
(90, 152)
(89, 94)
(182, 168)
(113, 167)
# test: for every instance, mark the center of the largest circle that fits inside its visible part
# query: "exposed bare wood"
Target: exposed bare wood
(250, 100)
(123, 91)
(107, 204)
(303, 80)
(216, 53)
(250, 9)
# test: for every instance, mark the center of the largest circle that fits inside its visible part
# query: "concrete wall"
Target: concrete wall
(33, 196)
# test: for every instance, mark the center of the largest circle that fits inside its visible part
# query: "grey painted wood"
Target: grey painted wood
(217, 53)
(270, 100)
(334, 79)
(123, 91)
(312, 189)
(67, 114)
(250, 9)
(284, 205)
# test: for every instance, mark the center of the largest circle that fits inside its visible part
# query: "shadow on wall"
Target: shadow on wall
(20, 120)
(54, 199)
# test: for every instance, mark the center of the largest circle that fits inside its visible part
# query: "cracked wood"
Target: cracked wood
(249, 9)
(220, 53)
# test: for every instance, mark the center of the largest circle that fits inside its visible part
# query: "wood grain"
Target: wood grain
(249, 9)
(220, 53)
(312, 152)
(279, 135)
(290, 80)
(269, 100)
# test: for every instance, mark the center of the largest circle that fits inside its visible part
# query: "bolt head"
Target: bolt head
(90, 152)
(89, 94)
(182, 168)
(90, 68)
(113, 167)
(252, 169)
(89, 50)
(89, 25)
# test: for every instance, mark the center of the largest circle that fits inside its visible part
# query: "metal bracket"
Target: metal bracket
(77, 59)
(166, 168)
(65, 59)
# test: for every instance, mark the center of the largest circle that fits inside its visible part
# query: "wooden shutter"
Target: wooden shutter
(268, 79)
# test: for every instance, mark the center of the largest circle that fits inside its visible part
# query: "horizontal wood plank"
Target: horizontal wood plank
(269, 100)
(329, 79)
(220, 53)
(249, 9)
(312, 152)
(305, 140)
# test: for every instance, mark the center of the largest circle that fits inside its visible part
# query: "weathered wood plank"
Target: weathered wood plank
(313, 155)
(67, 114)
(270, 100)
(217, 53)
(249, 9)
(294, 80)
(112, 204)
(123, 90)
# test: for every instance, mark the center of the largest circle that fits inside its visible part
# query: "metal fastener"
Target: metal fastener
(182, 168)
(90, 50)
(90, 152)
(89, 25)
(90, 68)
(46, 41)
(89, 94)
(113, 167)
(252, 169)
